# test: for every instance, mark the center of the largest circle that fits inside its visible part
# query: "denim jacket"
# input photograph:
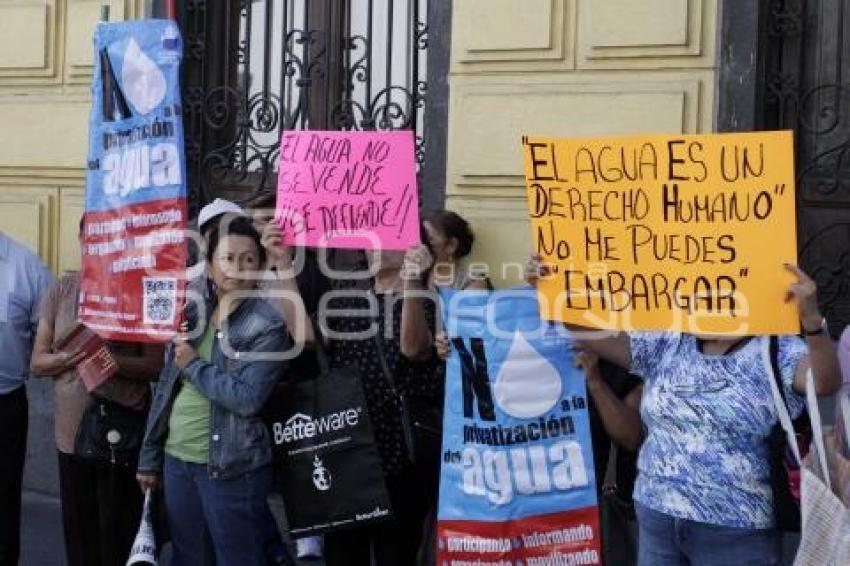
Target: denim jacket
(236, 385)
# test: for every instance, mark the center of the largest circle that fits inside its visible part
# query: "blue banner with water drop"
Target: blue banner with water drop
(134, 251)
(517, 483)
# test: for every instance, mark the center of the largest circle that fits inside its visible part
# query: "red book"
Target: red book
(98, 365)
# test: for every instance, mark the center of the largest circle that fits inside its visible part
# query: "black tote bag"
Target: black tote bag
(331, 475)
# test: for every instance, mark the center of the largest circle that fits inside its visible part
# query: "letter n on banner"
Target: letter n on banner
(517, 482)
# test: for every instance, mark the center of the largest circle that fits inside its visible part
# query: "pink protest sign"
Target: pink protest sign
(348, 190)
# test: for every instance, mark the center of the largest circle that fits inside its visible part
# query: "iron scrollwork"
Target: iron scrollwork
(285, 64)
(805, 91)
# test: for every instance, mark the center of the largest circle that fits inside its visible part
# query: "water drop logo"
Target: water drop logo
(527, 386)
(143, 81)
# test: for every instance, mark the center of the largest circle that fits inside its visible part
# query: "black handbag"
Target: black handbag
(110, 433)
(421, 422)
(617, 518)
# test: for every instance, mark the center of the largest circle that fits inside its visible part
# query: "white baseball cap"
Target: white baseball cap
(216, 208)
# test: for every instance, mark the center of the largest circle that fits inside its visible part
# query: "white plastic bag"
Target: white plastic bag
(825, 532)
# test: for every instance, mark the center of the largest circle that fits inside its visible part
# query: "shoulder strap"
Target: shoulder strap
(319, 346)
(775, 369)
(609, 484)
(844, 402)
(785, 419)
(817, 426)
(382, 358)
(777, 390)
(382, 355)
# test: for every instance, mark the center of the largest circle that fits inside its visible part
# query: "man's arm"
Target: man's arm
(41, 282)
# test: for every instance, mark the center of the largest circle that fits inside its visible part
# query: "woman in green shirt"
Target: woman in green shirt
(205, 438)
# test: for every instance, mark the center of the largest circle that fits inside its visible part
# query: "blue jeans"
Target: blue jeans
(668, 541)
(223, 522)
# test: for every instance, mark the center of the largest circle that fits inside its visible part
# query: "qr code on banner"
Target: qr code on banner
(159, 302)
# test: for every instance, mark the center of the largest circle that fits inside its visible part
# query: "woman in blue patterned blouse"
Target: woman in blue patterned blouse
(703, 494)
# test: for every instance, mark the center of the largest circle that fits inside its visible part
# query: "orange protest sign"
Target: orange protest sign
(686, 233)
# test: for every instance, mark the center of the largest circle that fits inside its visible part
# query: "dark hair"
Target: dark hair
(263, 199)
(239, 226)
(452, 225)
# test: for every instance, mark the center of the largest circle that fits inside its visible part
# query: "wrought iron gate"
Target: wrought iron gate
(805, 46)
(254, 68)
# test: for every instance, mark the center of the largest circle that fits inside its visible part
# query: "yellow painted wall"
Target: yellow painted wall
(45, 77)
(565, 68)
(559, 67)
